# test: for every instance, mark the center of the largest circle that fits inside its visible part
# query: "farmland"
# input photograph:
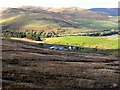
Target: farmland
(102, 45)
(86, 41)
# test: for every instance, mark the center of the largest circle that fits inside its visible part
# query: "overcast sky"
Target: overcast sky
(61, 3)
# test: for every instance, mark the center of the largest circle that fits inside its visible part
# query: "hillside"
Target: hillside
(27, 65)
(55, 19)
(44, 48)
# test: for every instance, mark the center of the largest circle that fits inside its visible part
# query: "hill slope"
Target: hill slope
(55, 19)
(23, 62)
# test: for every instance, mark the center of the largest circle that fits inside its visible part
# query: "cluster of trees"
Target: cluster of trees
(34, 35)
(102, 33)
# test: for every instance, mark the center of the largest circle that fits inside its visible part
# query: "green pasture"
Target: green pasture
(86, 41)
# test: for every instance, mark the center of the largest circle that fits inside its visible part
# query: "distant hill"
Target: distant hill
(108, 11)
(67, 20)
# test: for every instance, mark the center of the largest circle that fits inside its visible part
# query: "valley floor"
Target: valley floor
(25, 65)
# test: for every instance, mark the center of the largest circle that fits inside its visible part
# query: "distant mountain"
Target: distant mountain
(108, 11)
(74, 12)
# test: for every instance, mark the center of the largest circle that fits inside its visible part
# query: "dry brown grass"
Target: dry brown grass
(36, 67)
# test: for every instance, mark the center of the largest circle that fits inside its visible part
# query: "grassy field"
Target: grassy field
(97, 24)
(86, 41)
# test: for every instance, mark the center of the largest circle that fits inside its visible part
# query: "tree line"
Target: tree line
(37, 35)
(99, 33)
(34, 35)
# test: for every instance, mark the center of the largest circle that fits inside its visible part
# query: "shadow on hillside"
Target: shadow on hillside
(114, 52)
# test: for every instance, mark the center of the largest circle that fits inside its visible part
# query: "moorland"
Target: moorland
(30, 61)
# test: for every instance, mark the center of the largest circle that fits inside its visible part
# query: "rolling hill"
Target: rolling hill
(33, 64)
(70, 19)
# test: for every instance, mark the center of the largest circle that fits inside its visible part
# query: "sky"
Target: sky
(61, 3)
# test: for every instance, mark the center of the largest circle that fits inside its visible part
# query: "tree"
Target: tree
(29, 36)
(38, 39)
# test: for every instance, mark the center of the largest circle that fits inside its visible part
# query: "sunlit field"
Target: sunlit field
(86, 41)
